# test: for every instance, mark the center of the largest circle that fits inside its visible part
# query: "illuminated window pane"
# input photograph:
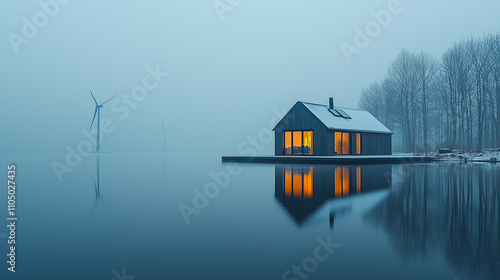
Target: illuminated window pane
(358, 143)
(308, 183)
(358, 179)
(297, 183)
(288, 182)
(338, 181)
(288, 143)
(338, 143)
(345, 143)
(297, 142)
(345, 180)
(308, 137)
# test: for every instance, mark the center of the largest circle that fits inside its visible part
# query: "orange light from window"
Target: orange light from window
(297, 142)
(345, 143)
(288, 143)
(358, 143)
(338, 143)
(308, 139)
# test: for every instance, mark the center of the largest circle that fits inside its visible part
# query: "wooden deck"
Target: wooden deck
(345, 160)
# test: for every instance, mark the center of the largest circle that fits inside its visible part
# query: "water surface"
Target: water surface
(115, 211)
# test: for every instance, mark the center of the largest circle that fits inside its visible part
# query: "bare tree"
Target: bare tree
(426, 75)
(372, 100)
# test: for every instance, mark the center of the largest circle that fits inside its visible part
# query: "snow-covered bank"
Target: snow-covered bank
(486, 155)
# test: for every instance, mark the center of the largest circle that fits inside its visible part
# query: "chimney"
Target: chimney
(331, 102)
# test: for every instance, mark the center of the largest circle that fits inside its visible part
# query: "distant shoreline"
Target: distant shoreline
(486, 155)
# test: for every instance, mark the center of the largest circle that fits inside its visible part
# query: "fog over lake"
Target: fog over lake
(175, 85)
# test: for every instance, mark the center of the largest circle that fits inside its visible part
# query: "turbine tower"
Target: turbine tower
(164, 136)
(98, 113)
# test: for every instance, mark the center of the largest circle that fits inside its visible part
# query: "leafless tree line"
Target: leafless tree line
(449, 102)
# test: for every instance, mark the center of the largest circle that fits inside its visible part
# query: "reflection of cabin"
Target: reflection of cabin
(313, 129)
(303, 189)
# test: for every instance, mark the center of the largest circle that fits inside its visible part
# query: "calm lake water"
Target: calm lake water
(118, 215)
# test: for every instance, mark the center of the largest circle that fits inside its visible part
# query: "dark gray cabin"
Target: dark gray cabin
(320, 130)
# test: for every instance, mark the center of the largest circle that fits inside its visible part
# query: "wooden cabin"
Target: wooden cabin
(319, 130)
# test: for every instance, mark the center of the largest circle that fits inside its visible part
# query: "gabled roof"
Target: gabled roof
(359, 120)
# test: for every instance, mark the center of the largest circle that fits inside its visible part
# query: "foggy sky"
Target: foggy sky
(225, 77)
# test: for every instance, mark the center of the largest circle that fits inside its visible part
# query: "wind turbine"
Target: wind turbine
(98, 113)
(164, 136)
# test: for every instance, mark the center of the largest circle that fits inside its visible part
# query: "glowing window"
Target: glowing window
(345, 143)
(297, 142)
(308, 150)
(338, 143)
(288, 143)
(358, 143)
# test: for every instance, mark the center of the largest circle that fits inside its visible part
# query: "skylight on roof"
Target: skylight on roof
(339, 113)
(343, 114)
(335, 113)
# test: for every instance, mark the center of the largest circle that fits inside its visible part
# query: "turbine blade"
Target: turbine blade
(163, 123)
(109, 100)
(94, 98)
(161, 132)
(95, 113)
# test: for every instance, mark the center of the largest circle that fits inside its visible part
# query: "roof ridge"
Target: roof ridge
(357, 109)
(313, 103)
(335, 107)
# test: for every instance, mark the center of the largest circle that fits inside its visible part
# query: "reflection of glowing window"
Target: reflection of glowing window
(288, 182)
(338, 181)
(345, 180)
(308, 183)
(341, 181)
(358, 179)
(288, 143)
(358, 143)
(297, 142)
(308, 142)
(298, 182)
(338, 143)
(345, 143)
